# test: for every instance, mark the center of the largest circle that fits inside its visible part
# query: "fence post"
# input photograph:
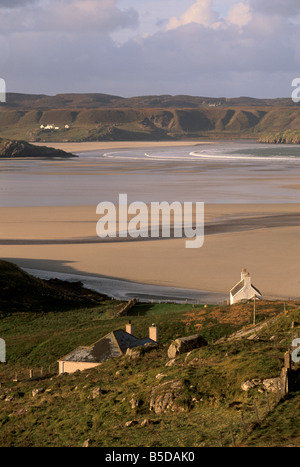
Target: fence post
(232, 436)
(244, 424)
(256, 412)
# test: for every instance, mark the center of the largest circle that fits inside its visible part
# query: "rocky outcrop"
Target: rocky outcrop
(13, 149)
(165, 397)
(185, 344)
(268, 385)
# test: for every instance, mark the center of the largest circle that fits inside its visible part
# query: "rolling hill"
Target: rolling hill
(101, 117)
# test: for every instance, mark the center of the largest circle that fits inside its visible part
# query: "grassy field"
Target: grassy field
(94, 405)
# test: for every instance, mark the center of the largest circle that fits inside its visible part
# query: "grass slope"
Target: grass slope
(142, 123)
(209, 410)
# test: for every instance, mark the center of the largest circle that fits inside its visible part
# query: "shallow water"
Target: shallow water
(125, 290)
(235, 172)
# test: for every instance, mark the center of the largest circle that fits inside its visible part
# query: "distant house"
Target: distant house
(244, 290)
(114, 344)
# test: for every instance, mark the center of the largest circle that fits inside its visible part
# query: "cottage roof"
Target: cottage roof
(237, 287)
(113, 344)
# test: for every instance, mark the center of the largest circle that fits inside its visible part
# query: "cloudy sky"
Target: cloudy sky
(211, 48)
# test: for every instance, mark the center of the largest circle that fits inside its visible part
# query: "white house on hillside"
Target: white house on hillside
(244, 290)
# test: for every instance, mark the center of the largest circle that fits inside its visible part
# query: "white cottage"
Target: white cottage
(244, 290)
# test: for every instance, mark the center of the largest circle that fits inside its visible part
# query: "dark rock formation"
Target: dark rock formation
(13, 148)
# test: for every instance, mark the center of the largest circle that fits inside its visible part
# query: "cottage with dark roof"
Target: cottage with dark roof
(244, 290)
(114, 344)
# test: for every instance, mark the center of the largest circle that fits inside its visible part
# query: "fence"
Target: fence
(238, 430)
(8, 374)
(126, 308)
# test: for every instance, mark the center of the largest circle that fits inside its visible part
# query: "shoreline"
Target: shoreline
(88, 146)
(268, 252)
(262, 237)
(121, 289)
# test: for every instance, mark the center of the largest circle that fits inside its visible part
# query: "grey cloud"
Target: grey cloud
(192, 59)
(70, 16)
(15, 3)
(286, 8)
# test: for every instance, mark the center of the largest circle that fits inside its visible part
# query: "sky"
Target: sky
(215, 48)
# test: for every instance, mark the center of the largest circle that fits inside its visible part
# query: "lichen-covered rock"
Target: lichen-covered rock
(165, 397)
(272, 385)
(185, 344)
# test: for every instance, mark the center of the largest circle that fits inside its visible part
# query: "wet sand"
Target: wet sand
(263, 238)
(58, 238)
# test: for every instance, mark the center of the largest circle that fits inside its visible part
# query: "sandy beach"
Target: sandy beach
(105, 145)
(263, 237)
(268, 252)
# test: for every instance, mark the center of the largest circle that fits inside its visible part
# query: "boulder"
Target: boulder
(185, 344)
(272, 385)
(96, 392)
(131, 423)
(37, 391)
(165, 397)
(134, 353)
(250, 384)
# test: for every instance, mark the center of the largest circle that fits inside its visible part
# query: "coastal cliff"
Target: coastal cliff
(14, 148)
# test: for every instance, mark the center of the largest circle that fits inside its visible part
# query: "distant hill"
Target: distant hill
(98, 100)
(102, 117)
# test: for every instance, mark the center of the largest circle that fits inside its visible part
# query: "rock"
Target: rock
(272, 385)
(86, 444)
(133, 354)
(247, 385)
(134, 402)
(164, 397)
(13, 148)
(160, 376)
(145, 422)
(148, 422)
(96, 392)
(131, 423)
(171, 362)
(253, 337)
(37, 391)
(9, 398)
(185, 344)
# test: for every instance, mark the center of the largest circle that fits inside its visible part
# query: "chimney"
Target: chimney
(244, 273)
(153, 332)
(129, 328)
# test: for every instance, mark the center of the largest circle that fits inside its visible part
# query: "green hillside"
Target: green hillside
(196, 400)
(100, 117)
(21, 292)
